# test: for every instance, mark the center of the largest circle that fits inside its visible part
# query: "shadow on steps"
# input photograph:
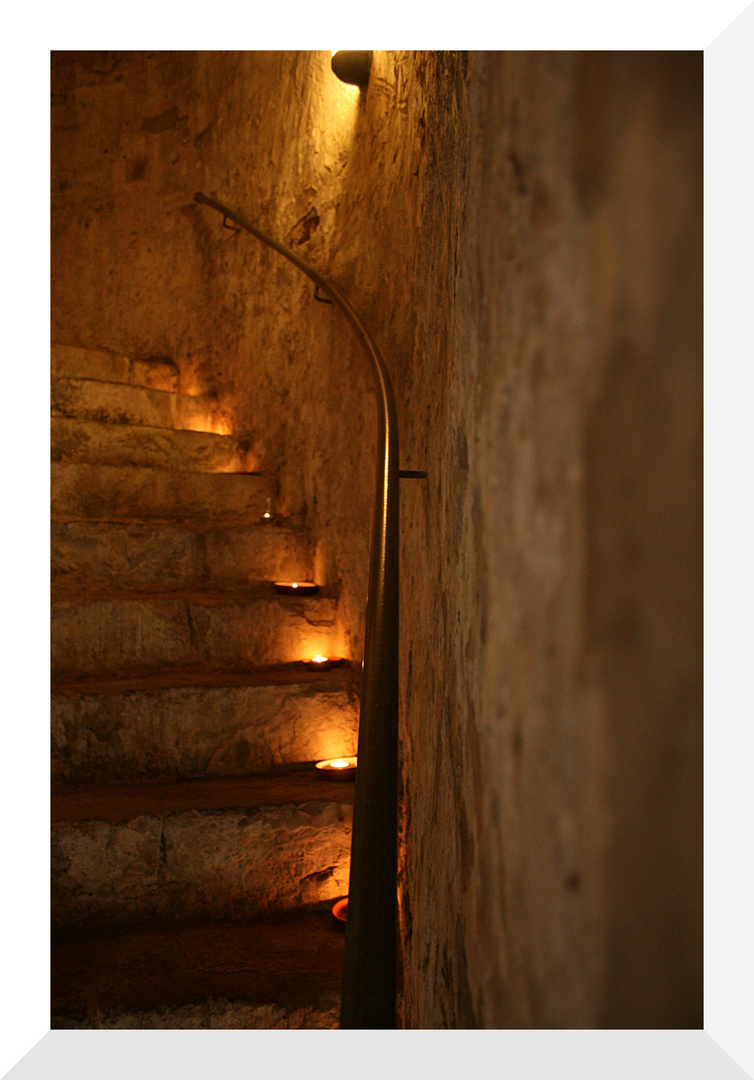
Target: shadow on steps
(209, 973)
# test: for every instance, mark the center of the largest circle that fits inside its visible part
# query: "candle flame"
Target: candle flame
(341, 763)
(319, 658)
(294, 585)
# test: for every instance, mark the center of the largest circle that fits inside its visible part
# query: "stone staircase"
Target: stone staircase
(196, 851)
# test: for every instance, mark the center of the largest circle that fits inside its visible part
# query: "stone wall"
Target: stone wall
(552, 576)
(139, 268)
(522, 234)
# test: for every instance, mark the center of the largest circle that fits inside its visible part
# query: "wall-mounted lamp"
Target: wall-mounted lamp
(352, 67)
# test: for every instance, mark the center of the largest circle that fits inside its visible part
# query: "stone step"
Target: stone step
(216, 1013)
(238, 722)
(118, 636)
(157, 448)
(74, 362)
(201, 974)
(137, 494)
(89, 558)
(119, 803)
(233, 862)
(119, 403)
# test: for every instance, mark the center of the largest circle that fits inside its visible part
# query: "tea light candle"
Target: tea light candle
(340, 909)
(295, 588)
(338, 768)
(323, 663)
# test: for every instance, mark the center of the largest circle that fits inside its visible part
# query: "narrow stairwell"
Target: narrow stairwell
(196, 851)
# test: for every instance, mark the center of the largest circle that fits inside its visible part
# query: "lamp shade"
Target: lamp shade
(352, 67)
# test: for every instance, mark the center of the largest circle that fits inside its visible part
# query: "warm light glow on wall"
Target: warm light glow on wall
(209, 426)
(351, 92)
(333, 647)
(212, 415)
(339, 103)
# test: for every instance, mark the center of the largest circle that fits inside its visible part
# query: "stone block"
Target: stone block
(158, 448)
(194, 731)
(73, 362)
(120, 403)
(127, 635)
(113, 493)
(220, 864)
(91, 558)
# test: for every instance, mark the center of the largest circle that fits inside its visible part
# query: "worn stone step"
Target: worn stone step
(115, 636)
(116, 729)
(157, 448)
(74, 362)
(218, 863)
(91, 557)
(215, 1013)
(201, 973)
(137, 494)
(120, 403)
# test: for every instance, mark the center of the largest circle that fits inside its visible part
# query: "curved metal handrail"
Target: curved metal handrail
(369, 977)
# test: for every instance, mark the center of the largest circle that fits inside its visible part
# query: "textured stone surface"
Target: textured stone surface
(131, 493)
(71, 362)
(115, 636)
(196, 731)
(294, 958)
(551, 568)
(213, 1014)
(157, 448)
(116, 403)
(130, 247)
(95, 558)
(529, 264)
(219, 864)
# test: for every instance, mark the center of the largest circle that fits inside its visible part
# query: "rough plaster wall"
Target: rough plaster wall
(551, 862)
